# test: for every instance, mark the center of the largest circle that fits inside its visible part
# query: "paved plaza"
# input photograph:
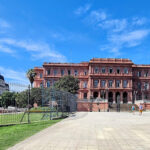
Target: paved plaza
(93, 131)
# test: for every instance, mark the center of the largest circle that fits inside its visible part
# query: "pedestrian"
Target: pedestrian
(133, 109)
(140, 109)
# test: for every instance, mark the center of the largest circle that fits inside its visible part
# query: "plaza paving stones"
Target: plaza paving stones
(93, 131)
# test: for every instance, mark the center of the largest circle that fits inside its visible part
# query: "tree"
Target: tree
(22, 99)
(8, 99)
(31, 75)
(36, 96)
(68, 84)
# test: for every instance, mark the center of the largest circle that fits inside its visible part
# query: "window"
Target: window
(41, 84)
(48, 72)
(146, 74)
(95, 83)
(103, 70)
(139, 74)
(41, 75)
(48, 83)
(55, 72)
(146, 86)
(103, 83)
(125, 83)
(110, 70)
(110, 83)
(75, 72)
(139, 85)
(62, 72)
(126, 70)
(85, 73)
(96, 70)
(69, 72)
(85, 85)
(118, 71)
(117, 83)
(85, 95)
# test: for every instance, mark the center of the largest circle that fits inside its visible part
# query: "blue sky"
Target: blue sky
(37, 31)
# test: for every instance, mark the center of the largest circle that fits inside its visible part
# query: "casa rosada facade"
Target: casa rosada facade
(101, 78)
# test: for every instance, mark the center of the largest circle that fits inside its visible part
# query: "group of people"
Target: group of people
(140, 109)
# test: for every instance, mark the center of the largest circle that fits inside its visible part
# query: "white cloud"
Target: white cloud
(6, 50)
(114, 25)
(124, 40)
(82, 10)
(130, 37)
(38, 50)
(96, 17)
(139, 21)
(14, 76)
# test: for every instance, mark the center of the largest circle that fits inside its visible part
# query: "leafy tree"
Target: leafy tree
(68, 84)
(36, 96)
(22, 99)
(8, 99)
(31, 75)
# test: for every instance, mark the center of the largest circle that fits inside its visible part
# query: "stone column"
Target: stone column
(114, 97)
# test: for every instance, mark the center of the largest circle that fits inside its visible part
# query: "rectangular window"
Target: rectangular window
(85, 85)
(117, 83)
(41, 75)
(95, 83)
(103, 83)
(48, 83)
(85, 95)
(55, 72)
(118, 71)
(96, 70)
(76, 73)
(146, 86)
(103, 70)
(110, 70)
(48, 72)
(85, 73)
(139, 74)
(139, 85)
(125, 70)
(62, 72)
(125, 83)
(110, 83)
(69, 72)
(146, 74)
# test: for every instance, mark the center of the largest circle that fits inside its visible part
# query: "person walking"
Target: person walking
(140, 109)
(133, 109)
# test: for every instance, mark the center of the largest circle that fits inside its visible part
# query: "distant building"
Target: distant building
(101, 78)
(3, 85)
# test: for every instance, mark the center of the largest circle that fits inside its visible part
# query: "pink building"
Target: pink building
(101, 78)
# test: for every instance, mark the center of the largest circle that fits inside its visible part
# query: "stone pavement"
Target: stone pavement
(93, 131)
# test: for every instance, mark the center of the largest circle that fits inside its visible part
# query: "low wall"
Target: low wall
(92, 106)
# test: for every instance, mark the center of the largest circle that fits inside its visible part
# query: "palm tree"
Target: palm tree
(31, 75)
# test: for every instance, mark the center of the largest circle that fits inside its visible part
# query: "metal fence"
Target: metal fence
(52, 104)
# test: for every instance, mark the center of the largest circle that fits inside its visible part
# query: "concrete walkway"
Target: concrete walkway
(93, 131)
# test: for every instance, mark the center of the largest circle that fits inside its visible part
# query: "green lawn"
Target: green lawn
(34, 117)
(10, 135)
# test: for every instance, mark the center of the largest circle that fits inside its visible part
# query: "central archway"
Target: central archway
(125, 97)
(117, 97)
(110, 97)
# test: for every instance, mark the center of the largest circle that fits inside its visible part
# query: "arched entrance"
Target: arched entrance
(95, 95)
(125, 97)
(110, 97)
(117, 97)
